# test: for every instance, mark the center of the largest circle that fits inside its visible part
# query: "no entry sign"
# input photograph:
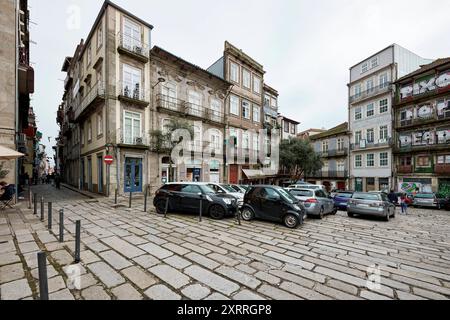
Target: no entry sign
(109, 160)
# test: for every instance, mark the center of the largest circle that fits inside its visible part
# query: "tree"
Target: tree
(3, 173)
(162, 142)
(299, 158)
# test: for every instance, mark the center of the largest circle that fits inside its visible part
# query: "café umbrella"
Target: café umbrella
(9, 154)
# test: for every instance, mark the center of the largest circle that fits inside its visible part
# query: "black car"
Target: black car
(186, 197)
(273, 204)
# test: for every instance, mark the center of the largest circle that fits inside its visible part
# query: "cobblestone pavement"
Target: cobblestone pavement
(129, 254)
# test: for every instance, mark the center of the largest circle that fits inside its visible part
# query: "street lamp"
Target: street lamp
(160, 80)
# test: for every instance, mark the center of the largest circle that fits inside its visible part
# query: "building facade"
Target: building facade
(185, 91)
(105, 109)
(371, 94)
(333, 147)
(422, 129)
(288, 127)
(307, 134)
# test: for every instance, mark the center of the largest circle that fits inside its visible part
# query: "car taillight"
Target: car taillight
(311, 201)
(376, 204)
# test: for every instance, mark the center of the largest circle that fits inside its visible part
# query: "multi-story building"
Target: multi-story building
(422, 129)
(308, 134)
(371, 96)
(105, 107)
(288, 127)
(244, 113)
(185, 91)
(333, 147)
(16, 85)
(270, 108)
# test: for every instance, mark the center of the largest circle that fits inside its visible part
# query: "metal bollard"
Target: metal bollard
(61, 225)
(43, 282)
(77, 241)
(50, 214)
(35, 204)
(239, 216)
(42, 208)
(201, 209)
(145, 199)
(131, 198)
(30, 196)
(167, 207)
(116, 195)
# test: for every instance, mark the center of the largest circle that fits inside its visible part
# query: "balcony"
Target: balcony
(406, 169)
(136, 95)
(93, 97)
(128, 141)
(442, 169)
(382, 143)
(434, 144)
(384, 88)
(180, 107)
(331, 174)
(26, 73)
(68, 81)
(424, 119)
(60, 116)
(134, 48)
(333, 153)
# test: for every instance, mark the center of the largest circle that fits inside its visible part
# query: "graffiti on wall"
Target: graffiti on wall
(426, 85)
(409, 187)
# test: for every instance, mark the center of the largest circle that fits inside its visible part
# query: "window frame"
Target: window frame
(246, 110)
(257, 80)
(370, 162)
(382, 106)
(99, 124)
(370, 108)
(358, 113)
(358, 161)
(382, 159)
(234, 64)
(256, 113)
(244, 73)
(133, 136)
(238, 103)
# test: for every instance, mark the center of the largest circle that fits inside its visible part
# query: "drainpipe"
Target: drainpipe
(16, 71)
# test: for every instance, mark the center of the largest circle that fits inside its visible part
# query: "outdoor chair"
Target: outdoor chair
(7, 199)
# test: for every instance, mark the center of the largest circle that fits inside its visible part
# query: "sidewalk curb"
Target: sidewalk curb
(86, 194)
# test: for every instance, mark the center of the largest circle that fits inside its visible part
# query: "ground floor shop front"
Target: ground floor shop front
(368, 184)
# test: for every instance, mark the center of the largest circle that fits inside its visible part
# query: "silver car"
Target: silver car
(428, 200)
(316, 202)
(371, 204)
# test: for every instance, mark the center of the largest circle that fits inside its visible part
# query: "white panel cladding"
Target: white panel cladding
(385, 58)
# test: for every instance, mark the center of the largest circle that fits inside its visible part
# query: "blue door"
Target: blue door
(100, 174)
(133, 175)
(90, 174)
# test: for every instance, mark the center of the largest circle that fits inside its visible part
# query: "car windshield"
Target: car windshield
(344, 195)
(366, 196)
(302, 193)
(207, 189)
(425, 196)
(228, 188)
(288, 196)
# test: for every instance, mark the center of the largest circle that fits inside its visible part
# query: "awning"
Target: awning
(254, 174)
(9, 154)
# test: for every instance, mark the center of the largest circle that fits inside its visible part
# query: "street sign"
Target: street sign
(109, 160)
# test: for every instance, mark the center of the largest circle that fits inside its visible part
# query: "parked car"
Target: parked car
(316, 202)
(308, 186)
(186, 197)
(371, 204)
(272, 203)
(226, 189)
(429, 200)
(341, 200)
(238, 188)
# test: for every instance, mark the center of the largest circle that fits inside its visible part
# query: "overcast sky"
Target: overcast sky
(306, 47)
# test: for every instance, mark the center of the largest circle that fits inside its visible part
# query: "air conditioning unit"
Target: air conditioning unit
(138, 49)
(382, 141)
(139, 141)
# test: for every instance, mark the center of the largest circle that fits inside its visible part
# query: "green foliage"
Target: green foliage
(444, 190)
(298, 158)
(3, 173)
(162, 142)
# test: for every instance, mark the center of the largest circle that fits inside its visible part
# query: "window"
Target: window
(89, 135)
(406, 161)
(131, 82)
(444, 159)
(245, 140)
(216, 110)
(169, 95)
(192, 189)
(89, 55)
(341, 166)
(234, 72)
(256, 85)
(246, 109)
(325, 146)
(246, 78)
(369, 85)
(234, 137)
(234, 105)
(423, 161)
(374, 62)
(358, 91)
(256, 113)
(370, 136)
(286, 126)
(364, 67)
(358, 161)
(370, 160)
(274, 104)
(99, 124)
(384, 106)
(215, 139)
(370, 110)
(131, 35)
(195, 103)
(266, 101)
(383, 134)
(358, 113)
(293, 128)
(384, 159)
(256, 142)
(383, 80)
(100, 36)
(358, 137)
(340, 144)
(132, 127)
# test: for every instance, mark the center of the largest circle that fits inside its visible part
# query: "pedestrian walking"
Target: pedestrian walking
(404, 204)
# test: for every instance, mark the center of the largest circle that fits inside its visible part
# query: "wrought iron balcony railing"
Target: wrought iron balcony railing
(97, 91)
(133, 92)
(383, 88)
(133, 46)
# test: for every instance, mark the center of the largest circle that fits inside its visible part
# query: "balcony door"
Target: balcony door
(195, 103)
(132, 87)
(169, 95)
(132, 127)
(131, 35)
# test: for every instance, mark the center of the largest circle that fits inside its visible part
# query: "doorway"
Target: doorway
(100, 174)
(133, 175)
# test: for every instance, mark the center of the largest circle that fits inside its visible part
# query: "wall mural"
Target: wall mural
(426, 85)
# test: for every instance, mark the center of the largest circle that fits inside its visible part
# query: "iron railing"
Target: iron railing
(97, 91)
(131, 44)
(383, 88)
(132, 91)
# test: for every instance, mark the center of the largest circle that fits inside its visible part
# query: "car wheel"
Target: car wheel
(334, 212)
(351, 215)
(247, 214)
(217, 212)
(160, 207)
(321, 214)
(439, 206)
(388, 216)
(393, 214)
(291, 221)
